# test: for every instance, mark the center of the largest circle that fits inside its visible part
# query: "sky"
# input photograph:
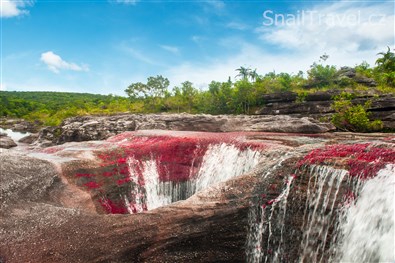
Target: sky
(102, 46)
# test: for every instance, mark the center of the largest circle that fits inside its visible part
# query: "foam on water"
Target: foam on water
(367, 229)
(220, 163)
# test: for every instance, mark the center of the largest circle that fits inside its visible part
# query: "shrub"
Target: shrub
(354, 118)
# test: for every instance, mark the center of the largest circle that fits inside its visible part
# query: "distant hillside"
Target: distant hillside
(52, 107)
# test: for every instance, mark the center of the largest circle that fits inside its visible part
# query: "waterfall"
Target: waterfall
(367, 229)
(323, 188)
(256, 247)
(336, 225)
(220, 163)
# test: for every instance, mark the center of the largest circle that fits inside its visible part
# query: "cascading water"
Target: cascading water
(367, 229)
(322, 191)
(337, 226)
(258, 224)
(220, 163)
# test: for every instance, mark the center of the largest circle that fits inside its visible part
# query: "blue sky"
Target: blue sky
(103, 46)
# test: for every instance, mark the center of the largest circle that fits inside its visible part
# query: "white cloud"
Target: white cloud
(171, 49)
(126, 2)
(12, 8)
(55, 63)
(343, 25)
(256, 57)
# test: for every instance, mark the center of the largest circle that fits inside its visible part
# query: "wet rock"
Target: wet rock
(48, 213)
(29, 139)
(20, 125)
(6, 142)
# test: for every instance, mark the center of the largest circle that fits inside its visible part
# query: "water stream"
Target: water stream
(220, 163)
(15, 136)
(367, 228)
(357, 229)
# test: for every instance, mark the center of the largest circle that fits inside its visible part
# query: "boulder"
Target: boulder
(29, 139)
(6, 142)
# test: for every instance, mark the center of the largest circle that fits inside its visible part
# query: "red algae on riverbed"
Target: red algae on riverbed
(361, 160)
(177, 158)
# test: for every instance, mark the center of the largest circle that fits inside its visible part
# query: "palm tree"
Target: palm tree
(244, 73)
(386, 67)
(253, 75)
(387, 62)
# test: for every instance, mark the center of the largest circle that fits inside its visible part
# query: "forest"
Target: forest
(240, 95)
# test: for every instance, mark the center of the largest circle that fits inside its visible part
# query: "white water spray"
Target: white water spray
(258, 225)
(367, 231)
(220, 163)
(322, 191)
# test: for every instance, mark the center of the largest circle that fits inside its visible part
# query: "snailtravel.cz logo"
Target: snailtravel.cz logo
(314, 17)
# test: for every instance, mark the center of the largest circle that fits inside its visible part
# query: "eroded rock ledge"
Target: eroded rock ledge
(102, 127)
(50, 210)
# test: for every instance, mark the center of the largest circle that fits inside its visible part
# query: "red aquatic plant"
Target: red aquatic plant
(361, 160)
(92, 185)
(112, 207)
(123, 159)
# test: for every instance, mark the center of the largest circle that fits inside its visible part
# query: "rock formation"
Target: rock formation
(6, 142)
(318, 105)
(101, 127)
(254, 199)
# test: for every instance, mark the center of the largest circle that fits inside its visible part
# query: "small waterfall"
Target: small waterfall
(322, 191)
(220, 163)
(367, 229)
(345, 219)
(279, 204)
(256, 247)
(136, 203)
(154, 198)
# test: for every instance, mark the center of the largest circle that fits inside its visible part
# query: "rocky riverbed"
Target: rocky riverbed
(182, 196)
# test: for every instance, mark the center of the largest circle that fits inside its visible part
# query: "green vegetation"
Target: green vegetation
(51, 108)
(244, 95)
(349, 117)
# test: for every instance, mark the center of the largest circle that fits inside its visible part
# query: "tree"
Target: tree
(137, 91)
(155, 88)
(320, 75)
(158, 86)
(386, 68)
(244, 73)
(387, 62)
(253, 75)
(285, 80)
(244, 96)
(188, 93)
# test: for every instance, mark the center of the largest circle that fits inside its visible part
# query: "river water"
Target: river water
(16, 136)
